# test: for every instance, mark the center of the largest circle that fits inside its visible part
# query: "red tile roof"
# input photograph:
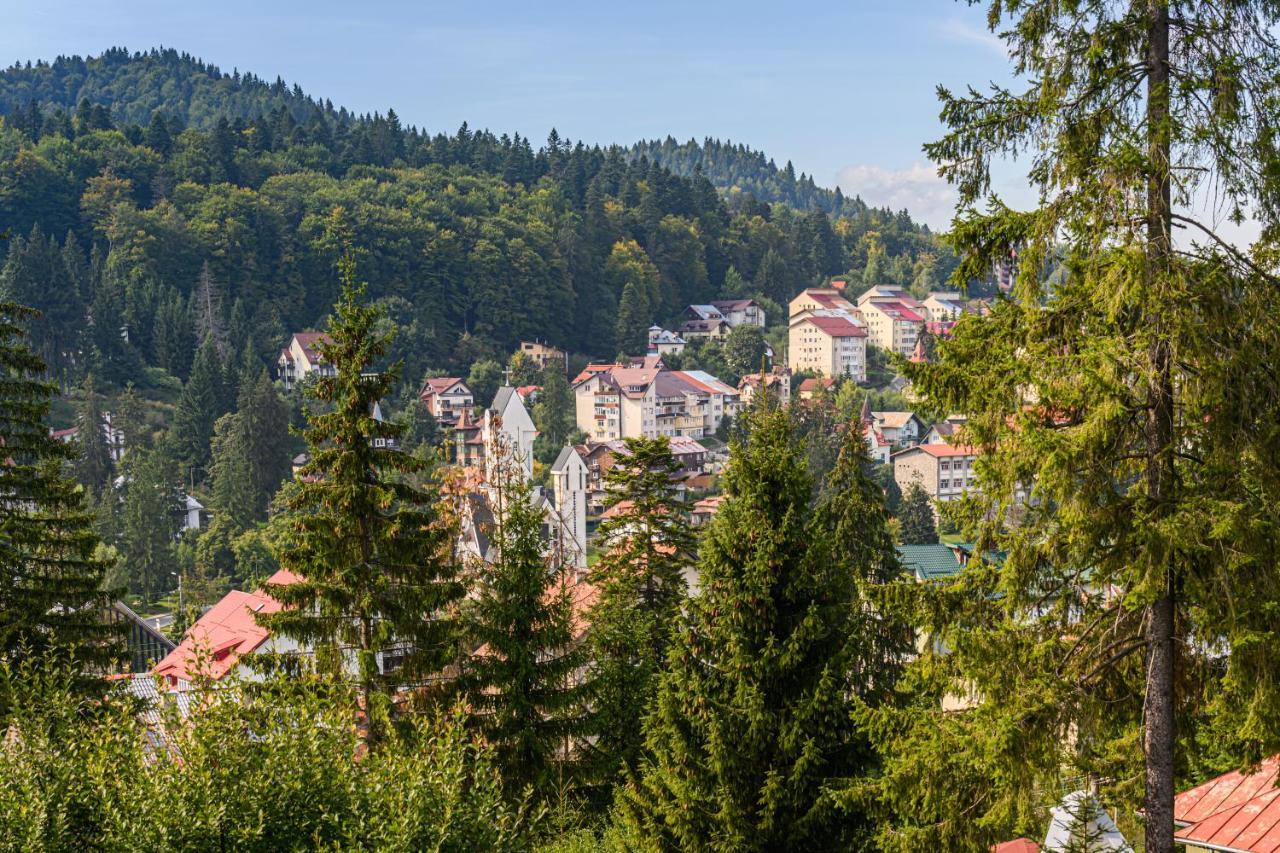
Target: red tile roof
(1018, 845)
(1233, 812)
(224, 634)
(892, 307)
(942, 450)
(837, 327)
(815, 382)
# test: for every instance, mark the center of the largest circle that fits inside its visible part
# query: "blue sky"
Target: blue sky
(845, 90)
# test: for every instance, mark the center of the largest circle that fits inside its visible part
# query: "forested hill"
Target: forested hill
(738, 169)
(131, 220)
(134, 85)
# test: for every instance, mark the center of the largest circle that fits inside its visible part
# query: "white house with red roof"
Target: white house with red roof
(301, 357)
(219, 641)
(446, 398)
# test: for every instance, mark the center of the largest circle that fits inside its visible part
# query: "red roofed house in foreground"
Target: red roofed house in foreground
(1233, 813)
(215, 645)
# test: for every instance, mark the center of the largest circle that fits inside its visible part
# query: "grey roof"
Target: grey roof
(501, 399)
(563, 459)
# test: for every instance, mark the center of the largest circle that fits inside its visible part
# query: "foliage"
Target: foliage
(519, 681)
(258, 767)
(915, 515)
(752, 724)
(1112, 415)
(369, 549)
(647, 546)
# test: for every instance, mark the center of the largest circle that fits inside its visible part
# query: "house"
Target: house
(943, 432)
(878, 447)
(929, 563)
(215, 646)
(740, 312)
(777, 381)
(708, 329)
(894, 319)
(145, 643)
(529, 394)
(662, 342)
(649, 401)
(1018, 845)
(828, 342)
(112, 434)
(813, 386)
(944, 471)
(941, 306)
(599, 457)
(446, 398)
(569, 483)
(301, 357)
(1234, 813)
(705, 509)
(468, 441)
(544, 354)
(900, 428)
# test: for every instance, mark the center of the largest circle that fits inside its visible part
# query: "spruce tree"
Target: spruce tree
(371, 552)
(1122, 477)
(199, 407)
(51, 596)
(149, 518)
(520, 681)
(93, 464)
(915, 515)
(752, 724)
(634, 318)
(647, 546)
(263, 422)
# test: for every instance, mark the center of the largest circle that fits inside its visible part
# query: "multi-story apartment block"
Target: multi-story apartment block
(829, 342)
(650, 401)
(892, 325)
(740, 312)
(821, 299)
(943, 307)
(543, 354)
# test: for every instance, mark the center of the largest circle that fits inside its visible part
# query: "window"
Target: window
(943, 484)
(946, 466)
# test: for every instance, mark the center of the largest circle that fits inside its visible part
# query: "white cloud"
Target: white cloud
(919, 189)
(956, 30)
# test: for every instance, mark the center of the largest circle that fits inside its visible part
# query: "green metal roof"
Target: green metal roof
(929, 562)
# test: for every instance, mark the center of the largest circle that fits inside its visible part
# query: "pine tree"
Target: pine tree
(647, 546)
(520, 681)
(263, 420)
(915, 514)
(555, 412)
(752, 723)
(634, 319)
(201, 404)
(51, 598)
(372, 555)
(149, 520)
(93, 463)
(1120, 477)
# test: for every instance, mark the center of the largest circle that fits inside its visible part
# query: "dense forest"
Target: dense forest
(122, 177)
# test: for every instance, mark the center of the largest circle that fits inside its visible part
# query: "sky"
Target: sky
(845, 90)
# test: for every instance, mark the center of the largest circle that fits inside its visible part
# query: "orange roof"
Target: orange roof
(813, 383)
(709, 506)
(617, 509)
(225, 633)
(592, 369)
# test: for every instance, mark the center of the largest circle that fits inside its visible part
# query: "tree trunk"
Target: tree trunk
(1159, 723)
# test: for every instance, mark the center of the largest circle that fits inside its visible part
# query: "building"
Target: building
(820, 299)
(228, 632)
(943, 306)
(777, 381)
(827, 342)
(663, 342)
(626, 402)
(193, 514)
(740, 312)
(812, 387)
(112, 434)
(944, 471)
(447, 397)
(900, 428)
(704, 329)
(894, 319)
(544, 354)
(570, 487)
(301, 358)
(877, 446)
(1234, 813)
(508, 416)
(144, 642)
(943, 432)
